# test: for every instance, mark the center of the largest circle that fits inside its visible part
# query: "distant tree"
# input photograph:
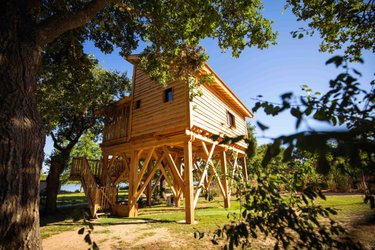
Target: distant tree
(71, 88)
(172, 31)
(86, 146)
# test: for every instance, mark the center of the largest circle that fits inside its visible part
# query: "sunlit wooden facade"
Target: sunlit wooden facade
(160, 130)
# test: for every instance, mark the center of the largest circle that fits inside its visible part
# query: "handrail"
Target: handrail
(98, 197)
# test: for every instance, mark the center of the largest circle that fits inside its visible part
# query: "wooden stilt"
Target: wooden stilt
(224, 181)
(188, 181)
(105, 169)
(179, 189)
(149, 187)
(132, 184)
(244, 170)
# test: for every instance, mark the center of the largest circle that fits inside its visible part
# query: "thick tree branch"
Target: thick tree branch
(55, 142)
(57, 25)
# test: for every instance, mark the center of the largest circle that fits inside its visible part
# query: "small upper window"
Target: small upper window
(168, 95)
(231, 120)
(137, 104)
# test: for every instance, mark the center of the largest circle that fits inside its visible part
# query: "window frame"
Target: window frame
(231, 119)
(137, 104)
(166, 95)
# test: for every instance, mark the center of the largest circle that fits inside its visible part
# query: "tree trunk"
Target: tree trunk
(53, 184)
(21, 133)
(162, 188)
(58, 164)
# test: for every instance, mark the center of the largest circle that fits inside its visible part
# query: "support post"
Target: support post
(224, 181)
(188, 180)
(133, 174)
(149, 188)
(105, 170)
(179, 190)
(244, 170)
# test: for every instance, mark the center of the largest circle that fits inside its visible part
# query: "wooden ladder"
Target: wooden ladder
(99, 197)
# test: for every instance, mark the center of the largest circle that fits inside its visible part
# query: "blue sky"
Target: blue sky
(281, 68)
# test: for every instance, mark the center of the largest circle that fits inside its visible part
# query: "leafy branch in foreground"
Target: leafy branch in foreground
(291, 220)
(346, 105)
(88, 228)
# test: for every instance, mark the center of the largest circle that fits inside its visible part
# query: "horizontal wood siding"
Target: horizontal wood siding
(155, 115)
(209, 112)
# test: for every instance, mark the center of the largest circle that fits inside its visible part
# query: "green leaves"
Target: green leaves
(331, 20)
(291, 219)
(262, 126)
(337, 60)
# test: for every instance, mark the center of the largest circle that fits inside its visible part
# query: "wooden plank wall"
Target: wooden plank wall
(209, 112)
(155, 115)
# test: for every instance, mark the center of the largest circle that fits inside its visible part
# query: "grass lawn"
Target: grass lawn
(357, 218)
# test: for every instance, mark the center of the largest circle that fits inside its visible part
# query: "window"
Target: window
(231, 120)
(168, 95)
(137, 104)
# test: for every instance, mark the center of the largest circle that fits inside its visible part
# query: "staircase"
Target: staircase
(99, 189)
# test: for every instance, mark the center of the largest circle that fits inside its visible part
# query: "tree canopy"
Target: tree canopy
(71, 90)
(344, 24)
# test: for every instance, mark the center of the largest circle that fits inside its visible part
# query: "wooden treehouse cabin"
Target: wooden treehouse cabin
(159, 131)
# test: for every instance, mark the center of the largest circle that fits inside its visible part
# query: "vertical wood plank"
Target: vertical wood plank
(224, 181)
(179, 191)
(149, 187)
(244, 169)
(132, 182)
(188, 176)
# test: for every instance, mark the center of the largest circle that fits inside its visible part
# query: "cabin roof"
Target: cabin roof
(218, 84)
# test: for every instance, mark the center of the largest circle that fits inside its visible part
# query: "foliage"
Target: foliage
(72, 88)
(88, 228)
(345, 24)
(292, 220)
(172, 35)
(345, 104)
(87, 146)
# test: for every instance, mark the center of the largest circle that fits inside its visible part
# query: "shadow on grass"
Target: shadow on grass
(367, 220)
(74, 213)
(133, 221)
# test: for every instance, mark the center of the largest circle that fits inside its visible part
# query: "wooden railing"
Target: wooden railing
(105, 197)
(116, 125)
(90, 172)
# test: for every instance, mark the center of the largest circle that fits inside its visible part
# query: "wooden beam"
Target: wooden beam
(156, 183)
(132, 182)
(199, 187)
(168, 181)
(173, 167)
(234, 165)
(149, 177)
(224, 181)
(188, 194)
(244, 170)
(149, 187)
(179, 189)
(217, 177)
(208, 140)
(144, 167)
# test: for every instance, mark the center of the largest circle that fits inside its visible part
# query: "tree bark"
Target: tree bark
(21, 133)
(53, 184)
(57, 166)
(22, 138)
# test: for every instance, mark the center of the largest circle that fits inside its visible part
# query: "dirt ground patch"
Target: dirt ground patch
(123, 236)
